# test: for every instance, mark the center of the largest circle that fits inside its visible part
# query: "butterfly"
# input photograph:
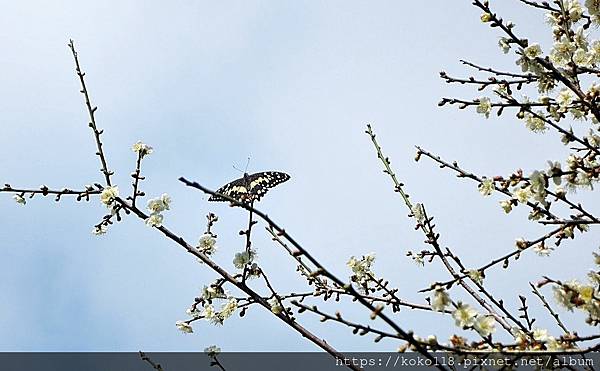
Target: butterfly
(250, 187)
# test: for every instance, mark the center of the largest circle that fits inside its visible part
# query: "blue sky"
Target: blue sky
(290, 84)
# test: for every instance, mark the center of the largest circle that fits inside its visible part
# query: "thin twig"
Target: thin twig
(91, 111)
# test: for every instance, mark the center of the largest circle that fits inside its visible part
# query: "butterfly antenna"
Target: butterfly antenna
(247, 163)
(235, 167)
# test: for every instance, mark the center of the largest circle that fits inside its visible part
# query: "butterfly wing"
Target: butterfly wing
(251, 187)
(236, 190)
(260, 183)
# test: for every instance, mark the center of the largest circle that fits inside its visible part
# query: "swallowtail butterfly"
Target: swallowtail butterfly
(251, 187)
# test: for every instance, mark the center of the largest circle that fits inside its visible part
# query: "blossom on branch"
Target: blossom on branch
(142, 149)
(19, 199)
(108, 195)
(464, 316)
(184, 327)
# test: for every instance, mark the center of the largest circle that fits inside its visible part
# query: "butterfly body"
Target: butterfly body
(250, 187)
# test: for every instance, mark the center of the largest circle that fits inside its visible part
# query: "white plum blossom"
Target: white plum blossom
(538, 185)
(484, 107)
(595, 52)
(361, 268)
(564, 99)
(506, 205)
(440, 300)
(553, 345)
(142, 149)
(486, 187)
(184, 327)
(532, 51)
(207, 244)
(160, 204)
(562, 51)
(593, 7)
(228, 309)
(475, 275)
(520, 336)
(217, 318)
(108, 195)
(593, 139)
(485, 325)
(582, 58)
(244, 258)
(276, 307)
(154, 220)
(540, 335)
(209, 313)
(535, 123)
(418, 212)
(564, 296)
(523, 194)
(504, 45)
(464, 316)
(573, 9)
(156, 206)
(542, 250)
(19, 199)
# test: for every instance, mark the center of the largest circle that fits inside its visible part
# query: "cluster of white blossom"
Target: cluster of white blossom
(541, 340)
(361, 269)
(207, 244)
(244, 258)
(573, 51)
(184, 326)
(536, 188)
(275, 304)
(213, 292)
(142, 149)
(156, 206)
(218, 317)
(464, 316)
(209, 313)
(109, 195)
(575, 295)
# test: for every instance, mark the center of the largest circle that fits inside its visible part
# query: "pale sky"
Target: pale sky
(290, 84)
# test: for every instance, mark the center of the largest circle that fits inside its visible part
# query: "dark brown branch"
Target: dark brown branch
(320, 268)
(465, 174)
(549, 308)
(432, 237)
(44, 191)
(91, 111)
(136, 178)
(496, 72)
(232, 280)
